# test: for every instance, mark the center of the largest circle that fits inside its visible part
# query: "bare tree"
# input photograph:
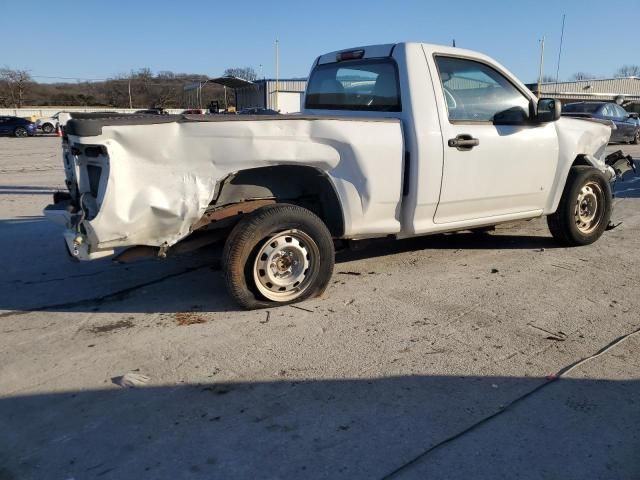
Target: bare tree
(628, 71)
(246, 73)
(15, 82)
(548, 79)
(582, 76)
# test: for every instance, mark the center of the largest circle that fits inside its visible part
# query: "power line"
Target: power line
(79, 79)
(560, 50)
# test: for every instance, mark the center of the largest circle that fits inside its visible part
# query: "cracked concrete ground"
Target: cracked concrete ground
(429, 358)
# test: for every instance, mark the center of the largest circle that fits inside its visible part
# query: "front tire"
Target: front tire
(47, 128)
(584, 210)
(21, 132)
(278, 255)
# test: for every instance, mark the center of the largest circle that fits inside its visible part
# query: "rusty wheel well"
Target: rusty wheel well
(304, 186)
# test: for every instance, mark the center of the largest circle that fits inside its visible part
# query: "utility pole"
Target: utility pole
(540, 72)
(130, 102)
(277, 75)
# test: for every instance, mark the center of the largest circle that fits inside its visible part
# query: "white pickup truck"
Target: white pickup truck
(396, 140)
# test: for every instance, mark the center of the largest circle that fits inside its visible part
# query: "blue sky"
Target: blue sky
(91, 39)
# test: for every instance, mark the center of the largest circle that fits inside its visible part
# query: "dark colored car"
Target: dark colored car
(151, 111)
(17, 127)
(258, 111)
(627, 129)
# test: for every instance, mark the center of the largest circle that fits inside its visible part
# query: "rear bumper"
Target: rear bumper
(77, 244)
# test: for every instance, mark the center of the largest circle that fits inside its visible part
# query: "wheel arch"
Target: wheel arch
(306, 186)
(563, 175)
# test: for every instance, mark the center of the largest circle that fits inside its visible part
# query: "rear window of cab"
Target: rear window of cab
(361, 85)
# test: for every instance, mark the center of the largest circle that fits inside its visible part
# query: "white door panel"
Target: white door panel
(510, 171)
(496, 162)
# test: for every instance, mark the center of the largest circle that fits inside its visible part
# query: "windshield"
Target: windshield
(368, 85)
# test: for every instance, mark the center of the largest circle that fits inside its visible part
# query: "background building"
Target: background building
(623, 90)
(285, 95)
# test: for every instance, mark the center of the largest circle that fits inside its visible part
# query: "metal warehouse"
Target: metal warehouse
(285, 95)
(621, 90)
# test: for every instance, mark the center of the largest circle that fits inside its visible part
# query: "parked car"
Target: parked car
(627, 128)
(48, 124)
(258, 111)
(17, 126)
(151, 111)
(395, 141)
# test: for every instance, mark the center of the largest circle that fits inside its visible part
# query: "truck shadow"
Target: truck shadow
(39, 276)
(351, 429)
(457, 241)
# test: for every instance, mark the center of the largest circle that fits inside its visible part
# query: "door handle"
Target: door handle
(464, 142)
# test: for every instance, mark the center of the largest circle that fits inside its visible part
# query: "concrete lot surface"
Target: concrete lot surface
(429, 358)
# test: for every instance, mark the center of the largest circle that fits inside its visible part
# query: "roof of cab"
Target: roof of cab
(386, 50)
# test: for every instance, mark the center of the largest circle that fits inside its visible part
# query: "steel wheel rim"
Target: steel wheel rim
(589, 207)
(284, 264)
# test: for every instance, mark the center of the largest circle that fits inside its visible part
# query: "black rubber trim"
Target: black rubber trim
(90, 124)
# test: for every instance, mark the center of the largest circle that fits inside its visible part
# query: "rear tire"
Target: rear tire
(584, 209)
(21, 132)
(47, 128)
(278, 255)
(636, 139)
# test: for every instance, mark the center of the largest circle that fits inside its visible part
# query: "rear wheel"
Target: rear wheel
(277, 255)
(47, 128)
(21, 132)
(585, 208)
(636, 138)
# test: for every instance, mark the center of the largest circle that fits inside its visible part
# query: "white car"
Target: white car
(396, 140)
(48, 124)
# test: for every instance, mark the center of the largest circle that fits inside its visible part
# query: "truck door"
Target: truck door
(496, 162)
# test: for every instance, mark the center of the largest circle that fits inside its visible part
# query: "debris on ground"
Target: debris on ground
(494, 270)
(131, 380)
(110, 327)
(188, 318)
(558, 336)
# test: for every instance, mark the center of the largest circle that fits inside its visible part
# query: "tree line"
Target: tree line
(623, 71)
(139, 89)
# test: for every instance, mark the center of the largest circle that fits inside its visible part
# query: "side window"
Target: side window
(607, 111)
(620, 112)
(478, 93)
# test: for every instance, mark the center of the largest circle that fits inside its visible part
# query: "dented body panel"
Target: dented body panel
(161, 178)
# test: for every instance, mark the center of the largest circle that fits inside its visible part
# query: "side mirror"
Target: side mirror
(548, 110)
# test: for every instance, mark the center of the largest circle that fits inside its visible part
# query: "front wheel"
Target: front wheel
(21, 132)
(47, 128)
(277, 255)
(585, 208)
